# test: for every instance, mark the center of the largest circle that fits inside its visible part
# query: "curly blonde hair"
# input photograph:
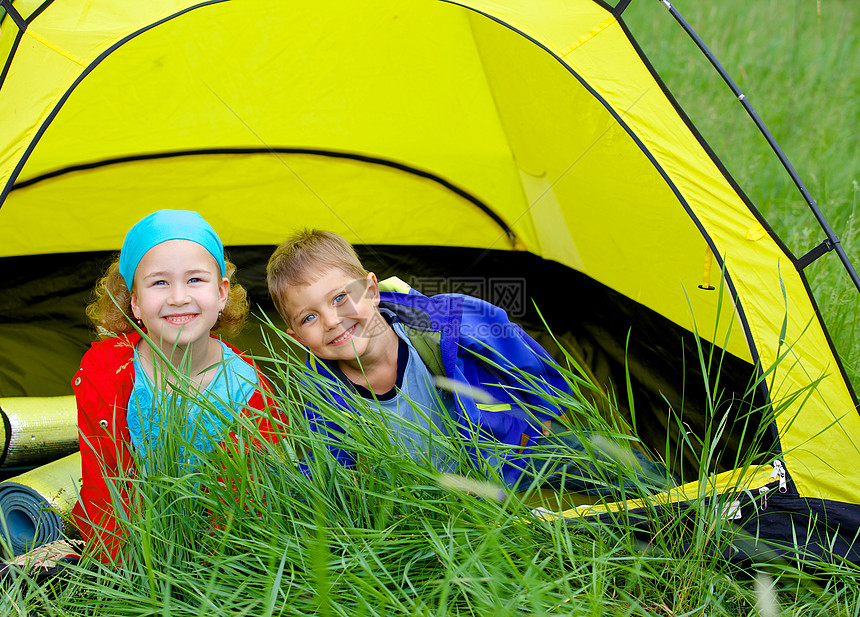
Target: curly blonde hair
(110, 309)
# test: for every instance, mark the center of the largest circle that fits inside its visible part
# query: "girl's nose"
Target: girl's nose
(178, 294)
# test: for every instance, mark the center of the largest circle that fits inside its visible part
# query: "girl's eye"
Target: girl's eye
(339, 298)
(159, 283)
(194, 280)
(307, 318)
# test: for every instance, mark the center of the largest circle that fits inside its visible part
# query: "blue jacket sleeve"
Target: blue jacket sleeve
(515, 367)
(330, 430)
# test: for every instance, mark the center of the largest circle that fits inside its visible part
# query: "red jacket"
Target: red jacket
(103, 386)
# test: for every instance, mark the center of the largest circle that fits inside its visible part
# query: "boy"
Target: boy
(388, 347)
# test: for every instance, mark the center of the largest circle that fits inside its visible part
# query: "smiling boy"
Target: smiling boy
(336, 316)
(386, 346)
(390, 347)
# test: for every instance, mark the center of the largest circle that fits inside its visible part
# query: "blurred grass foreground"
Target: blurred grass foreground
(247, 532)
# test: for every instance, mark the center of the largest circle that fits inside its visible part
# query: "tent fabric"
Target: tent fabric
(532, 127)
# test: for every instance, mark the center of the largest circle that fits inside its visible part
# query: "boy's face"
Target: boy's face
(335, 316)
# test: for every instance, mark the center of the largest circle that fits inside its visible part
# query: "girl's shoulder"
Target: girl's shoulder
(235, 361)
(108, 364)
(116, 349)
(228, 351)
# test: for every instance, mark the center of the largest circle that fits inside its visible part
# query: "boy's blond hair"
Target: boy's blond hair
(303, 257)
(110, 309)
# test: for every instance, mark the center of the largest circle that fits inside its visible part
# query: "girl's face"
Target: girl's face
(178, 292)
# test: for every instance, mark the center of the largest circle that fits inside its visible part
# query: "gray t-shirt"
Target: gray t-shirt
(415, 411)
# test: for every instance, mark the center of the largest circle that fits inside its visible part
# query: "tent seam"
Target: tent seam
(41, 128)
(587, 37)
(56, 48)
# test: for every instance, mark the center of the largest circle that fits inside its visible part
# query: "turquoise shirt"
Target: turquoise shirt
(204, 426)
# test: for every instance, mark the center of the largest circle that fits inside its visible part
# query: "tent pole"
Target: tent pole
(14, 14)
(619, 8)
(832, 242)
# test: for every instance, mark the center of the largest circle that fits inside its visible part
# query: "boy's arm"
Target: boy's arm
(320, 389)
(487, 331)
(319, 424)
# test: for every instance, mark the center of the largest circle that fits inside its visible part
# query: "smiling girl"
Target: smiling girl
(172, 283)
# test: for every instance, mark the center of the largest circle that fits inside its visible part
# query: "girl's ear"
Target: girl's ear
(135, 307)
(223, 293)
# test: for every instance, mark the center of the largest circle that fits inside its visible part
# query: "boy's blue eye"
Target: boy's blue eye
(194, 280)
(339, 298)
(307, 318)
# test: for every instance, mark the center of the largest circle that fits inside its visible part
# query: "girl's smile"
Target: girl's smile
(181, 320)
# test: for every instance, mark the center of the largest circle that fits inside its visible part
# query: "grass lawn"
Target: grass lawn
(249, 534)
(794, 60)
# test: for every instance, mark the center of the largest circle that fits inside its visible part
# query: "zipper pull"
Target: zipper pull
(779, 473)
(732, 511)
(763, 495)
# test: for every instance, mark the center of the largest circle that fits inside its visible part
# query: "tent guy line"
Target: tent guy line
(832, 241)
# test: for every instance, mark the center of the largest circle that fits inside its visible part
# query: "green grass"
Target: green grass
(794, 60)
(392, 540)
(248, 533)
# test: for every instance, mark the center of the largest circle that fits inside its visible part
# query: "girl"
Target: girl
(172, 280)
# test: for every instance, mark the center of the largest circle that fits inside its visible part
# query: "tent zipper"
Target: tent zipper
(778, 473)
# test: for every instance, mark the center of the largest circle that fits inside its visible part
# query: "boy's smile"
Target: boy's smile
(345, 336)
(335, 316)
(178, 292)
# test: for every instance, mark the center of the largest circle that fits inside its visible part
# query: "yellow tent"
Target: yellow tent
(534, 130)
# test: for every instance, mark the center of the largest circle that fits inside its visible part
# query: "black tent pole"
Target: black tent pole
(832, 242)
(14, 14)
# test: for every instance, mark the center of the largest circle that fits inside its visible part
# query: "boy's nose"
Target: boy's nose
(332, 318)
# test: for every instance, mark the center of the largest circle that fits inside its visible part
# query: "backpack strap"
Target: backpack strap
(427, 343)
(392, 283)
(429, 347)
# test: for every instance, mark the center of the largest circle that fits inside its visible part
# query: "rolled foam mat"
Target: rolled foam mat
(37, 429)
(35, 505)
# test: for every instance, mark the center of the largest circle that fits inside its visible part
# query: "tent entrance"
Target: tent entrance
(44, 333)
(607, 331)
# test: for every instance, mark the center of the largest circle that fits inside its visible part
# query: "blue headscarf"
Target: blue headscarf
(162, 226)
